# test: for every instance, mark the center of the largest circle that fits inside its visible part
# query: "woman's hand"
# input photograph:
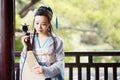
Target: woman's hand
(38, 69)
(24, 40)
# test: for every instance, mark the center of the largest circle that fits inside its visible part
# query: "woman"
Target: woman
(47, 45)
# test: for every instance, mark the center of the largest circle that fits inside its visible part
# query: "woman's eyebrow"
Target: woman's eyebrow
(44, 22)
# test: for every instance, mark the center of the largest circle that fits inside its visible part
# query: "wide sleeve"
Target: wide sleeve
(22, 57)
(58, 66)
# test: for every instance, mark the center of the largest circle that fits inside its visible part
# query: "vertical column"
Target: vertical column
(7, 23)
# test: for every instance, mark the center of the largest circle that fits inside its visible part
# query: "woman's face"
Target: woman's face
(41, 24)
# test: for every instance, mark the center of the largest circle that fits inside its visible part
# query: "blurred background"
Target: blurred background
(84, 25)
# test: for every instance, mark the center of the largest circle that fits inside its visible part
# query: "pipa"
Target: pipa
(30, 60)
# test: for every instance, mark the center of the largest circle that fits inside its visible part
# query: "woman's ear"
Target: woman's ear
(49, 29)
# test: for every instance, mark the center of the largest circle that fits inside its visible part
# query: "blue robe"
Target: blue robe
(56, 69)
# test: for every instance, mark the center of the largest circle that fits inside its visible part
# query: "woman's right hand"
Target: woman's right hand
(25, 40)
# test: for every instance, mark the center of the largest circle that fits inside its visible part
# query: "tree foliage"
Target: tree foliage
(102, 16)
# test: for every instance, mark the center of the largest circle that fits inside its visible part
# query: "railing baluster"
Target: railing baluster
(77, 59)
(114, 73)
(90, 59)
(106, 73)
(79, 70)
(79, 73)
(97, 73)
(70, 73)
(88, 73)
(17, 73)
(88, 68)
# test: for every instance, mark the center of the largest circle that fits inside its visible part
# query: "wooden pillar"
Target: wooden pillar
(7, 23)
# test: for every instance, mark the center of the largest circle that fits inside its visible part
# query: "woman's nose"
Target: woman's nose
(40, 26)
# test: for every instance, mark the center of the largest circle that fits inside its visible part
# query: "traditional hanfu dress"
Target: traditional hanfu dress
(50, 56)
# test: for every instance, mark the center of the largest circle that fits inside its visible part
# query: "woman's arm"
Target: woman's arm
(58, 66)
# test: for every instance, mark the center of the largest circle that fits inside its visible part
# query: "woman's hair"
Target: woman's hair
(45, 11)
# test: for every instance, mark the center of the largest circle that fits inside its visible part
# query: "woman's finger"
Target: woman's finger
(38, 69)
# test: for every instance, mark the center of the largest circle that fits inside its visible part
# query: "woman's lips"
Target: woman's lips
(40, 30)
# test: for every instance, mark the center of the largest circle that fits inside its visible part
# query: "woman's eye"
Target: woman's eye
(44, 24)
(37, 23)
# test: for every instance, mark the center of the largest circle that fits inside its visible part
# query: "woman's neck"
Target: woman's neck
(43, 35)
(42, 39)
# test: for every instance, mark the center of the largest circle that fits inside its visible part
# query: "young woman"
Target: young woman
(47, 45)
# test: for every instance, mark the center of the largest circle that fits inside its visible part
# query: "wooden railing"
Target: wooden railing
(88, 69)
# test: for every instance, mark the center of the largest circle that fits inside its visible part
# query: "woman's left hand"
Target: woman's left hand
(38, 69)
